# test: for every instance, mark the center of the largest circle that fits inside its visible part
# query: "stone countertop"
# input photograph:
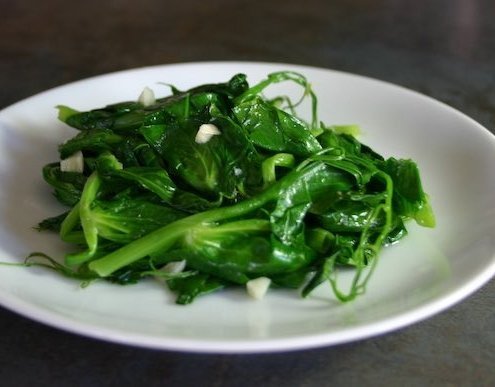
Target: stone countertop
(442, 48)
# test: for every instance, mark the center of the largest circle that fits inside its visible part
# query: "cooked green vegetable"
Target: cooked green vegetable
(232, 184)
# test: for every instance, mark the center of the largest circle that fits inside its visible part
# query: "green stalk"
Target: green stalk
(89, 228)
(165, 237)
(358, 286)
(280, 77)
(278, 160)
(70, 221)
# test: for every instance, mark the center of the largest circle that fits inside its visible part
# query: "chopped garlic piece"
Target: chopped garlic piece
(147, 97)
(73, 163)
(206, 132)
(258, 287)
(175, 267)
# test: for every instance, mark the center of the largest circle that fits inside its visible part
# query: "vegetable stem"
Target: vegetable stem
(165, 237)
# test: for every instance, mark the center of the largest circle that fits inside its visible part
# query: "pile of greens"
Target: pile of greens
(270, 195)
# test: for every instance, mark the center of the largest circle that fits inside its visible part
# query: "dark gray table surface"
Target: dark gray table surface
(444, 48)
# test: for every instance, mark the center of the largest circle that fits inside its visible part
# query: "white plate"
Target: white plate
(426, 273)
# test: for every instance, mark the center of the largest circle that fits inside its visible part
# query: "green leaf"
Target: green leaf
(124, 219)
(409, 198)
(301, 190)
(240, 250)
(67, 186)
(53, 223)
(275, 130)
(64, 112)
(94, 140)
(190, 287)
(155, 180)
